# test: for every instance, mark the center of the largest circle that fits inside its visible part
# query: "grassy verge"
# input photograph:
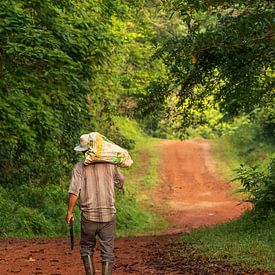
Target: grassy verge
(247, 241)
(133, 219)
(241, 242)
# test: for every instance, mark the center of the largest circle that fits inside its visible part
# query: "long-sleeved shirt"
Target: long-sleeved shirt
(94, 186)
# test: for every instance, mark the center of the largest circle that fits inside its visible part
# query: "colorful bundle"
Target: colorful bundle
(101, 149)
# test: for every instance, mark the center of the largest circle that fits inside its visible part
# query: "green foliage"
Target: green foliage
(134, 71)
(49, 55)
(260, 185)
(225, 51)
(66, 67)
(245, 141)
(33, 211)
(265, 119)
(257, 127)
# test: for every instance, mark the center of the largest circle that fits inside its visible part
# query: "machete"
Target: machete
(72, 233)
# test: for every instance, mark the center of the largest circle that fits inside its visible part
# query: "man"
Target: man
(93, 185)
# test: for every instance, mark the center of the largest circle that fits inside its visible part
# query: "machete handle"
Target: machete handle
(72, 233)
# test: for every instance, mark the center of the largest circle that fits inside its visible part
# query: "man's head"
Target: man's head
(83, 144)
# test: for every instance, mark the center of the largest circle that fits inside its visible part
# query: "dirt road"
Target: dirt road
(193, 192)
(191, 195)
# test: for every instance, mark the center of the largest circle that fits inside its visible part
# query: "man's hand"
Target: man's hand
(69, 217)
(118, 179)
(119, 185)
(72, 201)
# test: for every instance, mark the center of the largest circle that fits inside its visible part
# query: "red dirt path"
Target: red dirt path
(191, 195)
(195, 194)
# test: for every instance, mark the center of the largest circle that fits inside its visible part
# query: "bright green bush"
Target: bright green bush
(260, 185)
(265, 119)
(33, 211)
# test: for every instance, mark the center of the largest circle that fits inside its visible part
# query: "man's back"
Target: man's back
(94, 184)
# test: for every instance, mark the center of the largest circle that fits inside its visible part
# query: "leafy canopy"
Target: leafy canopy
(226, 51)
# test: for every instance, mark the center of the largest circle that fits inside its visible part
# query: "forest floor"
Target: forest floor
(192, 194)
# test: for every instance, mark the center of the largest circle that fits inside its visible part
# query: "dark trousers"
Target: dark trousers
(105, 232)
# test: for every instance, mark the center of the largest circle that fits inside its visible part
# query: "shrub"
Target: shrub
(260, 185)
(265, 119)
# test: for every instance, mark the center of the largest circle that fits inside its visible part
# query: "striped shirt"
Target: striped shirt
(94, 186)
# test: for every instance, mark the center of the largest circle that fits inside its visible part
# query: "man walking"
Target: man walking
(93, 185)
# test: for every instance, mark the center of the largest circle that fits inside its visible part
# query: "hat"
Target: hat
(83, 143)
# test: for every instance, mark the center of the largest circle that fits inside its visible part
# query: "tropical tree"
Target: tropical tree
(224, 54)
(50, 53)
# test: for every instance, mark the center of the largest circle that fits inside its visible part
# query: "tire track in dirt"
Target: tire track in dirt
(191, 195)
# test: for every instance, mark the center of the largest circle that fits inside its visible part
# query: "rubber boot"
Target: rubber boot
(88, 263)
(107, 268)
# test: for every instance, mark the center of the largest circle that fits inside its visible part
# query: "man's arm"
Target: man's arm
(71, 204)
(74, 190)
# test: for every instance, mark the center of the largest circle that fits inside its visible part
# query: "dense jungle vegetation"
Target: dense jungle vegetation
(130, 70)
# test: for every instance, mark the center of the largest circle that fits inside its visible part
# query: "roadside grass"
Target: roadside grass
(133, 217)
(243, 242)
(247, 241)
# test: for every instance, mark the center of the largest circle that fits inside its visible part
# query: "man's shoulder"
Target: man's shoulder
(78, 166)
